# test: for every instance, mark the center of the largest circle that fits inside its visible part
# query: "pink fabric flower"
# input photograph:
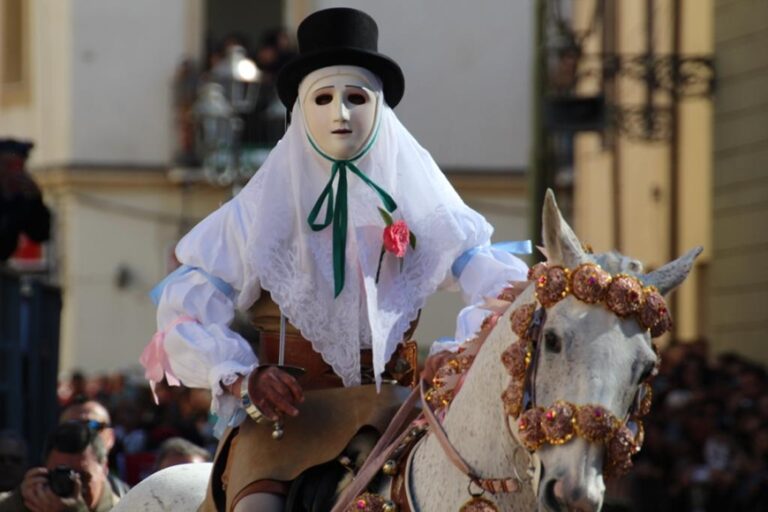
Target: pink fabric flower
(154, 358)
(396, 238)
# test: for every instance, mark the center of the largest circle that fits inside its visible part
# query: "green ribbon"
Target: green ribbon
(336, 212)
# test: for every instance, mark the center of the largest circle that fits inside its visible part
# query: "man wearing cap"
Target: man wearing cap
(333, 247)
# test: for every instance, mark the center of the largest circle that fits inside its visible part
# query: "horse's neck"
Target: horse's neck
(476, 422)
(476, 418)
(476, 425)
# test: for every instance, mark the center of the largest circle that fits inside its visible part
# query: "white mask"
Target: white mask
(340, 106)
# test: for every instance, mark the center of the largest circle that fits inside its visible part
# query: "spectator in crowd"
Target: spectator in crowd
(74, 477)
(177, 450)
(706, 438)
(13, 459)
(96, 417)
(21, 205)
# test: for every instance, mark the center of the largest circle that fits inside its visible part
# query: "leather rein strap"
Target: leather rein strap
(492, 485)
(391, 439)
(379, 455)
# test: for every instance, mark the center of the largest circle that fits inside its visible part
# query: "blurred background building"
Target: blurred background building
(146, 116)
(649, 118)
(627, 129)
(652, 128)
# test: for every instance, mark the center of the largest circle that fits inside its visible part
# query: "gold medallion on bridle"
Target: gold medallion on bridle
(478, 504)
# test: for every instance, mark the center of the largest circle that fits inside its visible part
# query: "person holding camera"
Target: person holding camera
(97, 418)
(74, 478)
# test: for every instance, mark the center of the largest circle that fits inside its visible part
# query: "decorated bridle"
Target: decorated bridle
(625, 296)
(557, 424)
(537, 426)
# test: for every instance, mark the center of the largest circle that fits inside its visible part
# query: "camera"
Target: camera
(62, 481)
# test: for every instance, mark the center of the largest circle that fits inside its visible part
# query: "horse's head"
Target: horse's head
(594, 356)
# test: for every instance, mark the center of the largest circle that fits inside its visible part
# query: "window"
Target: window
(13, 45)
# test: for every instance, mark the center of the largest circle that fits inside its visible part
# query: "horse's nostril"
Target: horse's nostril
(557, 489)
(553, 501)
(579, 499)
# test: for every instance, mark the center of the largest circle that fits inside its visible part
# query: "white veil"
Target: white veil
(277, 250)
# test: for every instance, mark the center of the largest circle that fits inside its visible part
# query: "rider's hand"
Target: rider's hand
(433, 363)
(274, 392)
(38, 496)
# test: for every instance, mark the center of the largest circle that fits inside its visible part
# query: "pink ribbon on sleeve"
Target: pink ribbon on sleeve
(154, 358)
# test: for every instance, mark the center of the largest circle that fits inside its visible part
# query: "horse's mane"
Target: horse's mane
(616, 263)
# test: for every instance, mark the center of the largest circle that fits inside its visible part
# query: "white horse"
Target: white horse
(587, 354)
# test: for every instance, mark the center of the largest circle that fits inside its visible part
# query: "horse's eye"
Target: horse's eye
(552, 342)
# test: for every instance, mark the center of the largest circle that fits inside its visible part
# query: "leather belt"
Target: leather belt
(402, 367)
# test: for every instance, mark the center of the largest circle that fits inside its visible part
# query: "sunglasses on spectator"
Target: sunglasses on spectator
(95, 426)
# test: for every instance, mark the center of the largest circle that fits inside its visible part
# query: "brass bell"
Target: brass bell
(277, 431)
(390, 468)
(389, 506)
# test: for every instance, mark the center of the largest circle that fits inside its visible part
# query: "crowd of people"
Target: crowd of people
(111, 435)
(706, 438)
(140, 426)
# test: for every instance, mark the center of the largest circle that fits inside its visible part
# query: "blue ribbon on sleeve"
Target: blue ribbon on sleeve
(512, 247)
(183, 270)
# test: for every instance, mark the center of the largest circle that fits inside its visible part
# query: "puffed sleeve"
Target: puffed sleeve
(194, 345)
(482, 272)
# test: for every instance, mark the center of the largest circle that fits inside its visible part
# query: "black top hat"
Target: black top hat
(339, 36)
(16, 147)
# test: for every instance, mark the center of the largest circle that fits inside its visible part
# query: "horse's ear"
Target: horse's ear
(562, 246)
(669, 277)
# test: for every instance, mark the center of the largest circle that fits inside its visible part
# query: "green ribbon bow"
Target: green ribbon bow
(336, 208)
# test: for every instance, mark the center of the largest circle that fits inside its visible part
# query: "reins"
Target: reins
(390, 440)
(386, 444)
(492, 485)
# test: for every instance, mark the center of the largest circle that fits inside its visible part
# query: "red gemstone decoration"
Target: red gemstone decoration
(531, 433)
(620, 295)
(555, 289)
(654, 315)
(559, 426)
(537, 271)
(594, 423)
(590, 283)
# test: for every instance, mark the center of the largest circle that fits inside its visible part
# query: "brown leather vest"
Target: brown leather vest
(265, 317)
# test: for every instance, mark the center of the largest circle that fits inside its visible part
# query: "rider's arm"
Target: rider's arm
(203, 352)
(480, 273)
(196, 307)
